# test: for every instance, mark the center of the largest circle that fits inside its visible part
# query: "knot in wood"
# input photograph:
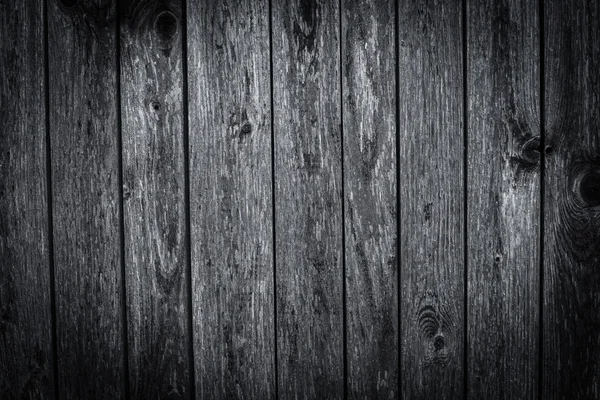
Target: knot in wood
(530, 151)
(589, 188)
(165, 26)
(439, 343)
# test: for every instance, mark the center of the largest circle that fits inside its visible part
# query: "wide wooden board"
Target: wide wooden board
(26, 355)
(369, 123)
(231, 198)
(308, 198)
(431, 180)
(86, 202)
(154, 208)
(571, 347)
(503, 76)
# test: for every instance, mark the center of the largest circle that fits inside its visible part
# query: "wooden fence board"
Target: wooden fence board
(154, 201)
(571, 348)
(503, 198)
(369, 118)
(26, 361)
(231, 198)
(308, 198)
(85, 182)
(430, 106)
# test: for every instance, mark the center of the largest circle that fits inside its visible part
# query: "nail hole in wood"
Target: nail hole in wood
(155, 105)
(548, 149)
(246, 128)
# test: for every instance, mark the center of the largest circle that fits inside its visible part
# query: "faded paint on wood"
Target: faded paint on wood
(503, 199)
(231, 199)
(308, 202)
(369, 94)
(154, 201)
(571, 348)
(85, 184)
(26, 361)
(431, 198)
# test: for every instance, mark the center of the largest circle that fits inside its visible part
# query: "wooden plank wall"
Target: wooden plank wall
(299, 199)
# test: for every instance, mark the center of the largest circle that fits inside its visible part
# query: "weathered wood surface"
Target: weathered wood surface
(431, 198)
(503, 199)
(308, 198)
(322, 162)
(26, 360)
(369, 123)
(572, 201)
(231, 198)
(154, 202)
(85, 188)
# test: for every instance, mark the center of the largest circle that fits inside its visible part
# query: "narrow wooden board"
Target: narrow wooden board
(503, 199)
(26, 363)
(85, 183)
(369, 110)
(231, 199)
(308, 198)
(430, 106)
(572, 201)
(154, 198)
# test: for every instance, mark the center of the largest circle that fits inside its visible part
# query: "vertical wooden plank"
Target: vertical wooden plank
(231, 198)
(572, 201)
(369, 88)
(503, 198)
(154, 197)
(25, 296)
(308, 202)
(431, 198)
(85, 182)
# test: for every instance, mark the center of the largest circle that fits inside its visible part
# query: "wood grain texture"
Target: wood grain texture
(231, 198)
(572, 201)
(25, 299)
(431, 197)
(503, 199)
(154, 197)
(308, 202)
(369, 110)
(85, 181)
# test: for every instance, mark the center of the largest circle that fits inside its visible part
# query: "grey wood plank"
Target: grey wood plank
(85, 181)
(231, 198)
(503, 199)
(308, 202)
(26, 363)
(154, 198)
(430, 104)
(369, 118)
(571, 321)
